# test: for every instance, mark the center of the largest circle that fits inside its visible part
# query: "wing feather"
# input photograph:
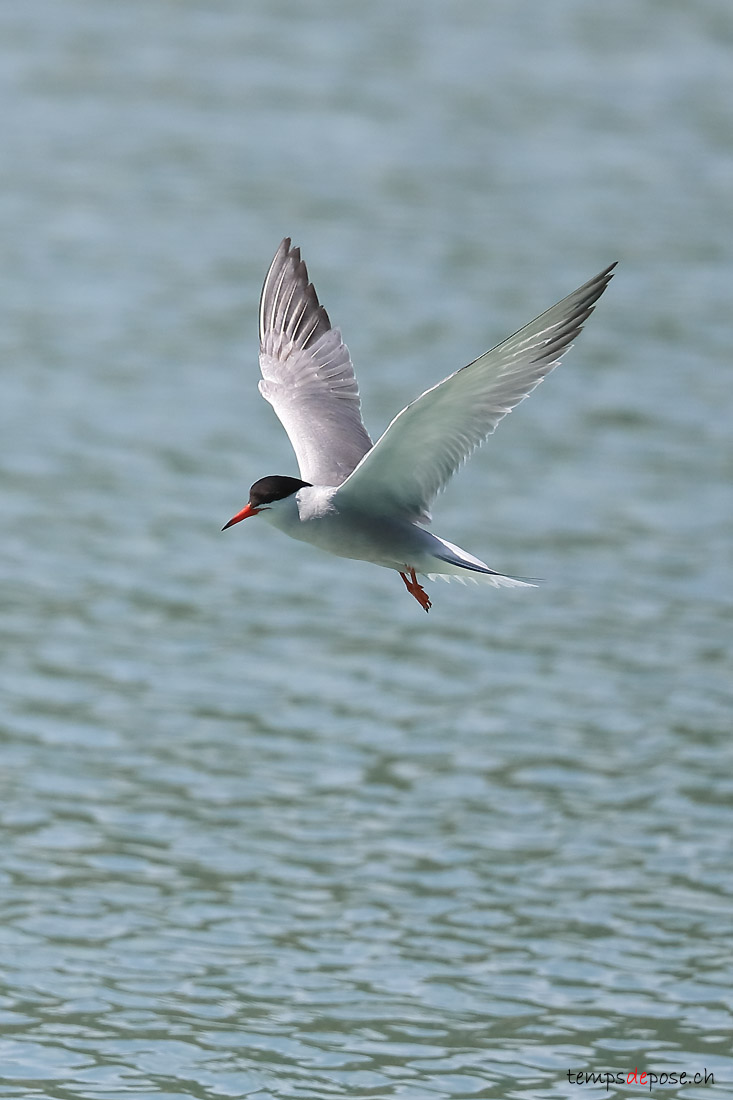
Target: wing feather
(426, 443)
(307, 374)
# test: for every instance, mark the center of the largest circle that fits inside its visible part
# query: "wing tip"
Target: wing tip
(595, 288)
(582, 303)
(288, 276)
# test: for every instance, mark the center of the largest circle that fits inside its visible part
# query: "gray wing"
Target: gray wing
(307, 375)
(426, 443)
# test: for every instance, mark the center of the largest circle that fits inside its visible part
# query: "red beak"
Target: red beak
(246, 512)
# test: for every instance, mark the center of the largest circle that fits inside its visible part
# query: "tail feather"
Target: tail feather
(497, 580)
(464, 567)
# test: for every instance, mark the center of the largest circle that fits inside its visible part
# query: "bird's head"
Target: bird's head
(265, 493)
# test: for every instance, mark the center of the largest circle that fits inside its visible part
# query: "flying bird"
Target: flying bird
(371, 501)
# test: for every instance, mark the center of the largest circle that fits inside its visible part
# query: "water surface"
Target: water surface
(269, 830)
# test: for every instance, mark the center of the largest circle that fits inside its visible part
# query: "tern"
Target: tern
(371, 501)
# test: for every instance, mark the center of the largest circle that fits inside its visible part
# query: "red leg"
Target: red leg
(415, 589)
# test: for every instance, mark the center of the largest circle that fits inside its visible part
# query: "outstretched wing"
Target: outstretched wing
(426, 443)
(307, 375)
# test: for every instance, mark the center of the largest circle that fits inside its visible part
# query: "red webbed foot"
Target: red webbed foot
(415, 589)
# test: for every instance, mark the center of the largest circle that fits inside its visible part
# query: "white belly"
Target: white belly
(310, 516)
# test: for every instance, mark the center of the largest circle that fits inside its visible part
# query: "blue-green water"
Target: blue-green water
(268, 830)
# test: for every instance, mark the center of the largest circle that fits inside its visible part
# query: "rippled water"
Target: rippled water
(269, 830)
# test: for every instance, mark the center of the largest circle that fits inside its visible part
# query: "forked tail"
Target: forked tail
(463, 567)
